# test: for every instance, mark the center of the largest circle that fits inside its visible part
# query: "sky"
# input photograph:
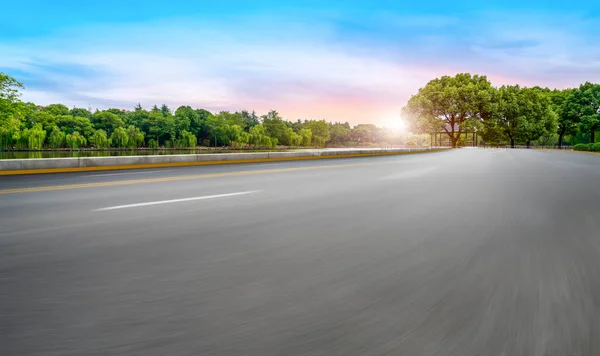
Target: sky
(348, 61)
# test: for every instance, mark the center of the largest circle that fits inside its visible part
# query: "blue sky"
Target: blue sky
(356, 61)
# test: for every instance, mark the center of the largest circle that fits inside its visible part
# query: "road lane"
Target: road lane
(469, 252)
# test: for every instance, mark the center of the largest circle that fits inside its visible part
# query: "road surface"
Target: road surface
(464, 252)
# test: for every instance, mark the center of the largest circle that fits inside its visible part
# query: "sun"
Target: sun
(395, 124)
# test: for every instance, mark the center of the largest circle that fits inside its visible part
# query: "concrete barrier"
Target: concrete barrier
(59, 165)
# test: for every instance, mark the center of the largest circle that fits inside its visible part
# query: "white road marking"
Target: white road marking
(122, 174)
(175, 200)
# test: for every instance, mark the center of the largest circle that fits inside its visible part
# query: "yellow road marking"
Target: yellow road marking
(176, 178)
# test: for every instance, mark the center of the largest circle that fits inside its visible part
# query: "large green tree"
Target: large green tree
(107, 121)
(340, 133)
(450, 104)
(276, 127)
(320, 132)
(10, 110)
(70, 125)
(57, 109)
(567, 118)
(583, 106)
(539, 118)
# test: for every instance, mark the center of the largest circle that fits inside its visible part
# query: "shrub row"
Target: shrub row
(593, 147)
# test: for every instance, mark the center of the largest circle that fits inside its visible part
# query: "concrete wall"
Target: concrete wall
(124, 162)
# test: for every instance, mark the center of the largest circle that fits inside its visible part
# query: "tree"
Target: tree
(119, 138)
(340, 133)
(187, 139)
(507, 113)
(107, 121)
(306, 135)
(244, 138)
(364, 133)
(450, 104)
(227, 133)
(258, 136)
(135, 137)
(35, 137)
(56, 138)
(70, 124)
(57, 109)
(80, 112)
(538, 117)
(75, 140)
(320, 132)
(293, 138)
(187, 119)
(9, 88)
(44, 118)
(165, 110)
(100, 139)
(250, 119)
(275, 127)
(584, 103)
(159, 127)
(10, 109)
(200, 126)
(567, 119)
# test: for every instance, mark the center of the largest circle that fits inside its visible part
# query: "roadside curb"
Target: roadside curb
(11, 172)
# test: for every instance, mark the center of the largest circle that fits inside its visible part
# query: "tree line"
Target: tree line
(28, 126)
(509, 114)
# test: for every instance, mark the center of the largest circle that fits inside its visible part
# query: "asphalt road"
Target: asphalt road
(465, 252)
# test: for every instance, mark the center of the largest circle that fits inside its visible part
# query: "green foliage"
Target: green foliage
(100, 139)
(538, 117)
(306, 135)
(11, 112)
(56, 109)
(294, 139)
(454, 105)
(451, 104)
(584, 103)
(581, 147)
(244, 138)
(320, 132)
(152, 143)
(187, 140)
(340, 132)
(70, 124)
(595, 147)
(258, 136)
(107, 121)
(417, 140)
(276, 127)
(35, 137)
(250, 119)
(9, 88)
(136, 137)
(119, 138)
(81, 112)
(75, 140)
(57, 138)
(364, 133)
(44, 118)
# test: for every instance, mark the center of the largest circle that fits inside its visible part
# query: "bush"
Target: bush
(595, 147)
(152, 143)
(581, 147)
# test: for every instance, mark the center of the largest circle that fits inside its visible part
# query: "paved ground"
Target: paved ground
(467, 252)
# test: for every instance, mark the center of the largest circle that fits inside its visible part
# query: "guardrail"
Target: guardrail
(60, 165)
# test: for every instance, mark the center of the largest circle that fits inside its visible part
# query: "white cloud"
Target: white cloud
(302, 70)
